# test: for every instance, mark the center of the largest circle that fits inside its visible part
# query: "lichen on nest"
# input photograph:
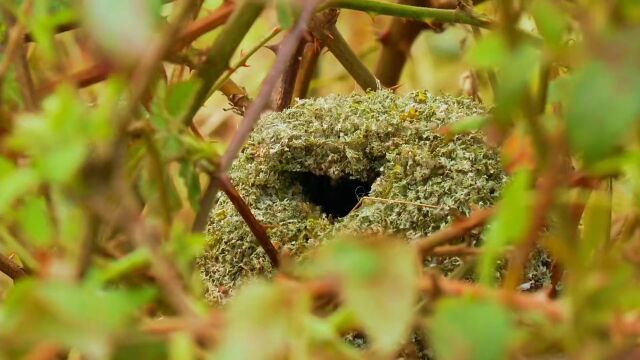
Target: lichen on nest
(321, 154)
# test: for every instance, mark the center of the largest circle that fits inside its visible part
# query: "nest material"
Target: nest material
(302, 163)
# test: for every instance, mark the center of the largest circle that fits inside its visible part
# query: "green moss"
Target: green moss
(422, 178)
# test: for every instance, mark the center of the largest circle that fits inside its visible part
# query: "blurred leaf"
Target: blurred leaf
(264, 321)
(181, 347)
(514, 79)
(287, 12)
(550, 21)
(133, 261)
(185, 247)
(191, 181)
(179, 97)
(600, 108)
(491, 51)
(379, 280)
(69, 315)
(468, 329)
(34, 220)
(123, 29)
(508, 225)
(596, 227)
(15, 184)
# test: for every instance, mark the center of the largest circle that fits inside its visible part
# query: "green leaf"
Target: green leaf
(514, 79)
(269, 316)
(600, 108)
(69, 315)
(508, 225)
(287, 13)
(123, 29)
(491, 51)
(34, 220)
(379, 283)
(16, 184)
(550, 21)
(180, 96)
(192, 182)
(468, 329)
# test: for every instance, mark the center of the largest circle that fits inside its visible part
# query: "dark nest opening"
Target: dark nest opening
(336, 197)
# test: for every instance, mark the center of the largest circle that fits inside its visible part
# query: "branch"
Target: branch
(396, 44)
(324, 29)
(217, 61)
(407, 11)
(284, 95)
(456, 230)
(310, 56)
(287, 49)
(256, 227)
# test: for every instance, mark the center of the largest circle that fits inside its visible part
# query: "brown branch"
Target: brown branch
(283, 97)
(254, 225)
(310, 56)
(285, 52)
(324, 29)
(517, 301)
(396, 44)
(454, 250)
(10, 268)
(456, 230)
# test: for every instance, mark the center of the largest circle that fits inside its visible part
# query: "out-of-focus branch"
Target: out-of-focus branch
(454, 231)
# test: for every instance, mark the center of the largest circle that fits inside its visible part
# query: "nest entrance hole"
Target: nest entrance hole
(336, 197)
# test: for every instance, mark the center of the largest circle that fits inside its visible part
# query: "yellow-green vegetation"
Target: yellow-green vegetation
(301, 167)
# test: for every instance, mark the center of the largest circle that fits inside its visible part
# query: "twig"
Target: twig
(519, 301)
(242, 61)
(310, 56)
(15, 43)
(396, 44)
(454, 231)
(10, 268)
(256, 227)
(454, 250)
(217, 61)
(323, 28)
(286, 50)
(409, 12)
(284, 95)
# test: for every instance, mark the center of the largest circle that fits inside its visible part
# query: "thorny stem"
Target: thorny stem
(409, 12)
(242, 61)
(286, 50)
(217, 62)
(256, 227)
(396, 43)
(310, 56)
(283, 97)
(324, 29)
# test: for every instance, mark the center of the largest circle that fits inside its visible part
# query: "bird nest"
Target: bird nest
(367, 163)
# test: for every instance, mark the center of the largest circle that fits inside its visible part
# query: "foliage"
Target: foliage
(502, 219)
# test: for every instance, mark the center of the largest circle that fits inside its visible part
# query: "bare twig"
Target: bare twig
(324, 29)
(454, 231)
(283, 97)
(310, 56)
(256, 227)
(286, 50)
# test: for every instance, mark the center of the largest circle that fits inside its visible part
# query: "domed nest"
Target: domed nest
(358, 163)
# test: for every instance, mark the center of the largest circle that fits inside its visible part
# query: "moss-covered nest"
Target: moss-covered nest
(304, 170)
